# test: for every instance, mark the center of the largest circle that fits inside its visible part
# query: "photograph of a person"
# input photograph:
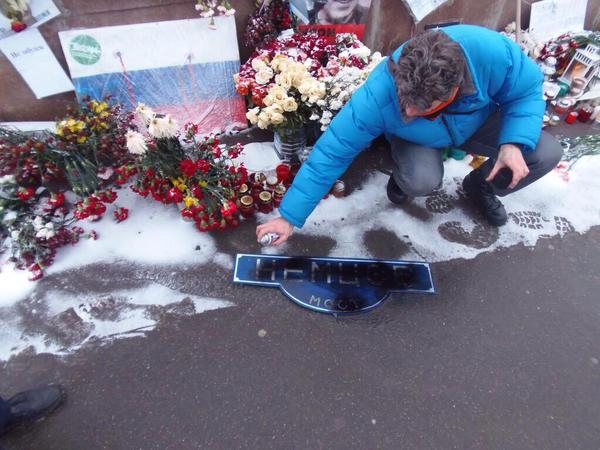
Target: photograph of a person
(330, 12)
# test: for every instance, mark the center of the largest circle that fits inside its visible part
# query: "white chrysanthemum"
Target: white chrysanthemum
(144, 112)
(136, 143)
(163, 127)
(14, 235)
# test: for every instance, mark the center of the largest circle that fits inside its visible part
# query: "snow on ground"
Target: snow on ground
(156, 235)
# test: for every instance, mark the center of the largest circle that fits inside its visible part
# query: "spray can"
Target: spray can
(267, 239)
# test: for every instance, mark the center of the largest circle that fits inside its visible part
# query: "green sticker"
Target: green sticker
(85, 49)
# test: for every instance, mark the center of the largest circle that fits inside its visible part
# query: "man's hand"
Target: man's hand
(510, 156)
(279, 226)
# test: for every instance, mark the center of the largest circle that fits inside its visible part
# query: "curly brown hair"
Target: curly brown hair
(429, 67)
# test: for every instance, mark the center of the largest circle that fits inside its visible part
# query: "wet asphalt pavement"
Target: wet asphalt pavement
(505, 356)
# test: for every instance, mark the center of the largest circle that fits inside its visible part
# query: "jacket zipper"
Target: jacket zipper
(452, 138)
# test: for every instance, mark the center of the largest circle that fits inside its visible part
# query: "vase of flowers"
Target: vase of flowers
(299, 82)
(290, 143)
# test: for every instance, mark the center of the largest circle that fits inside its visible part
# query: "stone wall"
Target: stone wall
(389, 23)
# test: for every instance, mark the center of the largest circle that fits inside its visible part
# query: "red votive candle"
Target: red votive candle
(562, 106)
(283, 172)
(571, 117)
(584, 113)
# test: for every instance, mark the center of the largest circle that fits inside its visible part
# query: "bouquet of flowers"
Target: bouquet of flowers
(195, 172)
(211, 8)
(281, 83)
(15, 11)
(342, 75)
(37, 170)
(293, 80)
(269, 19)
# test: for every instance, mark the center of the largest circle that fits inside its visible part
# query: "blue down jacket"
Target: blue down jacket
(503, 77)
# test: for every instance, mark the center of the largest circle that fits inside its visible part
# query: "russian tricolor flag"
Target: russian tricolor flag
(184, 68)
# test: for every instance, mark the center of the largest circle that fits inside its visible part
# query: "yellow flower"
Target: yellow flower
(81, 139)
(202, 183)
(99, 107)
(178, 183)
(189, 201)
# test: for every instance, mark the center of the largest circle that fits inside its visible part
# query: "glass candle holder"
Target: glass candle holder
(571, 117)
(246, 206)
(265, 202)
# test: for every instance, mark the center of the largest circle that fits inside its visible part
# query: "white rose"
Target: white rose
(258, 64)
(264, 75)
(284, 80)
(289, 104)
(278, 94)
(276, 118)
(252, 115)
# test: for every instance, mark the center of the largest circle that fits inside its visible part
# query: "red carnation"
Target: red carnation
(175, 195)
(121, 214)
(25, 193)
(188, 167)
(203, 165)
(18, 26)
(197, 192)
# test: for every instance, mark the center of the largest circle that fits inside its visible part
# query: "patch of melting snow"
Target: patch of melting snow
(436, 228)
(62, 322)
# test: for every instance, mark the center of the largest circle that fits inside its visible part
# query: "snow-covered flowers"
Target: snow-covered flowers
(301, 78)
(211, 8)
(281, 89)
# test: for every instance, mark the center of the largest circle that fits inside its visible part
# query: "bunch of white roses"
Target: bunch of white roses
(290, 92)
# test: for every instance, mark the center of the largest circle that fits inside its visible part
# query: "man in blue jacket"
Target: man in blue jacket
(463, 86)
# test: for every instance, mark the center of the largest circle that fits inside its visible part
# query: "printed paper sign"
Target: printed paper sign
(184, 68)
(334, 285)
(551, 18)
(39, 12)
(31, 56)
(331, 17)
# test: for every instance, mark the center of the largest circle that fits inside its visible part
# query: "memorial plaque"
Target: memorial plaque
(334, 285)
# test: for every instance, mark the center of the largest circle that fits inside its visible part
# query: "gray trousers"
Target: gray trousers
(419, 170)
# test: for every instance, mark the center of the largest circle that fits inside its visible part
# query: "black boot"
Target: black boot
(481, 193)
(29, 406)
(394, 192)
